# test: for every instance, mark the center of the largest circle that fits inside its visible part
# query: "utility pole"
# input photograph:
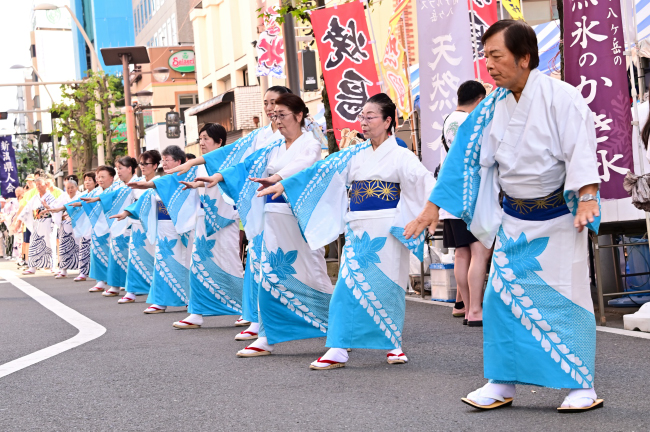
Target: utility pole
(291, 52)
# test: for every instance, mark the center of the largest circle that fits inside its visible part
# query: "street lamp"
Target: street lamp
(95, 66)
(144, 97)
(161, 74)
(55, 139)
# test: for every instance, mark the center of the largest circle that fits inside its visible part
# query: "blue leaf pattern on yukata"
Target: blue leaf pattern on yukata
(281, 263)
(166, 247)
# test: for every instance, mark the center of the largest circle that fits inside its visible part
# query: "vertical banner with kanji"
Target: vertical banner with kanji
(8, 169)
(514, 9)
(270, 48)
(445, 63)
(394, 64)
(485, 14)
(594, 62)
(347, 61)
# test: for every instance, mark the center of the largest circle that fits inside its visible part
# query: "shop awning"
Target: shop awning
(228, 96)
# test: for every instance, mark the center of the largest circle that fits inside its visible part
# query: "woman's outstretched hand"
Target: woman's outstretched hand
(276, 189)
(210, 181)
(121, 216)
(429, 217)
(266, 182)
(141, 185)
(192, 185)
(181, 169)
(89, 200)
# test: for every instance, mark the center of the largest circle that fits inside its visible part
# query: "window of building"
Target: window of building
(174, 38)
(186, 101)
(170, 41)
(244, 76)
(37, 101)
(135, 21)
(37, 125)
(163, 35)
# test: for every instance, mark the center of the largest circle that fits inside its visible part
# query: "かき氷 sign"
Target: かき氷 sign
(182, 61)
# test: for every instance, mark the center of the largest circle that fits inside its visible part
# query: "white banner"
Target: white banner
(445, 63)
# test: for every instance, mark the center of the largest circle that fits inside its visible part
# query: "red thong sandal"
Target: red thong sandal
(396, 359)
(153, 310)
(187, 325)
(242, 336)
(256, 352)
(331, 364)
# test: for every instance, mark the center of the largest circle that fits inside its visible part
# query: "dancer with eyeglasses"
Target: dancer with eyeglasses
(226, 157)
(294, 288)
(387, 187)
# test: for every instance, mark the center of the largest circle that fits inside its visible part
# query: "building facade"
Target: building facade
(108, 23)
(162, 22)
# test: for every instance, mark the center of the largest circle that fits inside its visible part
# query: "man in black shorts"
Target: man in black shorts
(470, 256)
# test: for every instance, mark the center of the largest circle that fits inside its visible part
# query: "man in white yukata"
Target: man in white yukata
(533, 138)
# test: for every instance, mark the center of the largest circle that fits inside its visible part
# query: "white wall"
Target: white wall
(156, 138)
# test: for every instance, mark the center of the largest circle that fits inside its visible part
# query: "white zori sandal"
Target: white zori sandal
(241, 322)
(486, 392)
(396, 356)
(580, 400)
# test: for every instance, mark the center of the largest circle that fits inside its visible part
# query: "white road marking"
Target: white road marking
(88, 329)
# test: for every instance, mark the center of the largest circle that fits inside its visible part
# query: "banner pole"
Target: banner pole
(407, 66)
(477, 63)
(372, 30)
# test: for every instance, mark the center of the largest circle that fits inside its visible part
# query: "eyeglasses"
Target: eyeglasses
(145, 163)
(362, 118)
(275, 117)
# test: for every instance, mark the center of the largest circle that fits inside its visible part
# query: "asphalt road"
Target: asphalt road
(144, 375)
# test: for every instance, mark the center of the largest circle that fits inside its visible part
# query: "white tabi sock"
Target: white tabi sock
(63, 272)
(336, 354)
(129, 296)
(481, 396)
(114, 290)
(194, 319)
(580, 398)
(262, 343)
(100, 284)
(396, 352)
(254, 328)
(158, 306)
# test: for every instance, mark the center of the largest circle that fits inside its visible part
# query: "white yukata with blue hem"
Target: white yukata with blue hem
(539, 325)
(294, 288)
(39, 222)
(69, 244)
(82, 230)
(388, 188)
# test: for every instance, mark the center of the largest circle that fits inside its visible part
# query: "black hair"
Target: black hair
(151, 156)
(90, 174)
(39, 172)
(109, 169)
(176, 153)
(190, 156)
(279, 89)
(469, 92)
(295, 104)
(387, 107)
(128, 162)
(216, 132)
(520, 39)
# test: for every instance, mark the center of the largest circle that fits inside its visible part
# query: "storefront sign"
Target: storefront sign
(595, 64)
(347, 61)
(182, 61)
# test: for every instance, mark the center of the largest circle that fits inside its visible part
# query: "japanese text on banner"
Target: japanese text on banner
(347, 61)
(270, 48)
(8, 169)
(595, 64)
(445, 63)
(394, 64)
(514, 9)
(485, 14)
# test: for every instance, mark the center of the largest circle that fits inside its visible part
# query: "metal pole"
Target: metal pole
(32, 83)
(408, 80)
(98, 116)
(290, 51)
(372, 30)
(133, 147)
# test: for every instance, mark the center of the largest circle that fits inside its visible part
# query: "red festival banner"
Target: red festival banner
(347, 61)
(485, 14)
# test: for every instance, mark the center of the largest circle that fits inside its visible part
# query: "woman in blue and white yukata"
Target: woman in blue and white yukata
(223, 158)
(68, 243)
(171, 228)
(38, 220)
(294, 288)
(216, 273)
(387, 186)
(100, 234)
(139, 275)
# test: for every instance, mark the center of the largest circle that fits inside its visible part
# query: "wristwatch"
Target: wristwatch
(587, 197)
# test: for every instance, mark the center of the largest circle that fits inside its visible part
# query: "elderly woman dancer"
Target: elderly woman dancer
(388, 186)
(294, 288)
(223, 158)
(68, 243)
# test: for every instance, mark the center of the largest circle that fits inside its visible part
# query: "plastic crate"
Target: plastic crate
(443, 282)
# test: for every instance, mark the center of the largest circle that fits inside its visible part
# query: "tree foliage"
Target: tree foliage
(76, 117)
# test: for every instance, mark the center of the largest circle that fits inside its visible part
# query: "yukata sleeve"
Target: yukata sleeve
(465, 188)
(416, 184)
(229, 155)
(306, 158)
(182, 205)
(243, 192)
(577, 135)
(144, 210)
(78, 219)
(318, 196)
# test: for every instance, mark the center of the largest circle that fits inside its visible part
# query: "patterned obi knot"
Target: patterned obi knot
(163, 214)
(537, 209)
(368, 195)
